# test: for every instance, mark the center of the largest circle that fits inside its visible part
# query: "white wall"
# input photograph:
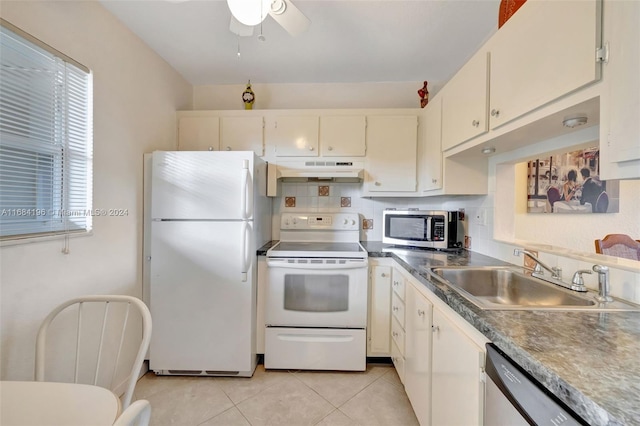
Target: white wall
(309, 96)
(136, 95)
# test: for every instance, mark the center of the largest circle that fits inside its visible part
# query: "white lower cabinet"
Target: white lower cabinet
(457, 370)
(379, 327)
(417, 368)
(439, 358)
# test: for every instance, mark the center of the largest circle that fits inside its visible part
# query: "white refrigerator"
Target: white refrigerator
(209, 215)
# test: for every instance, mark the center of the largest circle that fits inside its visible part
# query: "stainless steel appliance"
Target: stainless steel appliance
(316, 297)
(436, 229)
(209, 215)
(515, 398)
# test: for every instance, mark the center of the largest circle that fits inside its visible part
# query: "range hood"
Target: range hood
(320, 171)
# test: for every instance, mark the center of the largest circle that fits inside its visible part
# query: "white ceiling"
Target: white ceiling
(348, 41)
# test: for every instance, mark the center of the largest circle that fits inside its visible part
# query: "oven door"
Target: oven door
(316, 293)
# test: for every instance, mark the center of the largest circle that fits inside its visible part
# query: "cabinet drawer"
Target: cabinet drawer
(397, 334)
(398, 285)
(398, 361)
(397, 309)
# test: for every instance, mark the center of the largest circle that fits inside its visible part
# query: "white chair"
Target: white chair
(100, 329)
(138, 414)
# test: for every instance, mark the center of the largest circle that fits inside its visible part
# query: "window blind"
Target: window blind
(45, 139)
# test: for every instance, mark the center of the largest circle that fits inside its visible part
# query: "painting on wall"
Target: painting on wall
(569, 183)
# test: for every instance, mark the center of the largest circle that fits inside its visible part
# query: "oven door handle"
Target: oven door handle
(321, 266)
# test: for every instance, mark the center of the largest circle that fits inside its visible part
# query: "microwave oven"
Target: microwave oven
(435, 229)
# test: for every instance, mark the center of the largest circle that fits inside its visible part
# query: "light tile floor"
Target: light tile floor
(274, 397)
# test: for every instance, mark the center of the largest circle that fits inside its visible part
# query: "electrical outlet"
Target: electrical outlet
(481, 217)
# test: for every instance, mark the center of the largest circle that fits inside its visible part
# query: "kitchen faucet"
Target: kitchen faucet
(603, 283)
(556, 273)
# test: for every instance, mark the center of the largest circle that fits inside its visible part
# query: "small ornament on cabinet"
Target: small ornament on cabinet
(248, 97)
(424, 95)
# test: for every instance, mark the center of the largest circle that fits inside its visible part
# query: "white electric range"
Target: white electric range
(316, 298)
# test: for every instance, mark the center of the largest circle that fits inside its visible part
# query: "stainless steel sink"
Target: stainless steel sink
(510, 288)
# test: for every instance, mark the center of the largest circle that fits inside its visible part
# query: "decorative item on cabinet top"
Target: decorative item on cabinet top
(248, 97)
(424, 95)
(507, 9)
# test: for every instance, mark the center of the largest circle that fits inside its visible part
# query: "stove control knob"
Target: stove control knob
(346, 221)
(286, 222)
(295, 221)
(353, 221)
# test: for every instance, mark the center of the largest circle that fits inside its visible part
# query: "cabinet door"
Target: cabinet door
(293, 136)
(620, 144)
(457, 368)
(198, 134)
(464, 103)
(417, 367)
(431, 159)
(242, 134)
(342, 136)
(392, 143)
(545, 50)
(379, 310)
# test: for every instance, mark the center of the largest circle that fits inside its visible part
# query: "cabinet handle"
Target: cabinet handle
(434, 180)
(475, 123)
(394, 309)
(330, 148)
(383, 275)
(420, 312)
(435, 328)
(377, 184)
(311, 148)
(228, 148)
(210, 148)
(495, 113)
(394, 334)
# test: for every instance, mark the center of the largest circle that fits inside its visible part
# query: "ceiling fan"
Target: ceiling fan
(246, 14)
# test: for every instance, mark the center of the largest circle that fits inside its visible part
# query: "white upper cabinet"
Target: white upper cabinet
(242, 134)
(464, 103)
(199, 133)
(431, 155)
(293, 136)
(620, 101)
(343, 136)
(546, 50)
(391, 164)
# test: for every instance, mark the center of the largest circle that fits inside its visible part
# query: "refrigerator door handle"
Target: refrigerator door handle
(246, 245)
(247, 194)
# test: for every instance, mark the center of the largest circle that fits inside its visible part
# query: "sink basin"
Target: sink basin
(504, 288)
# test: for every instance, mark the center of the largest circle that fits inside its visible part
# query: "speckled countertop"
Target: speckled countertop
(590, 360)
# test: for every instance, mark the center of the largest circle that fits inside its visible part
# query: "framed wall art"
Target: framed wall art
(569, 183)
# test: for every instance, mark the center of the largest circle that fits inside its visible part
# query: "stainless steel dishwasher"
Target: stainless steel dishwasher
(515, 398)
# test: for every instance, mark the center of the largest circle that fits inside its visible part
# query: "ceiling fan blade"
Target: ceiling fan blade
(289, 17)
(239, 28)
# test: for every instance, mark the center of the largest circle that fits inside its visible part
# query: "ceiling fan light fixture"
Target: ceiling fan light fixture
(249, 12)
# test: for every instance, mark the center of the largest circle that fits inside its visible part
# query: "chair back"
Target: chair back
(138, 414)
(553, 195)
(619, 245)
(602, 203)
(107, 330)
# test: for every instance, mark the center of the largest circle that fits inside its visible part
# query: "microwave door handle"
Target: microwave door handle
(429, 228)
